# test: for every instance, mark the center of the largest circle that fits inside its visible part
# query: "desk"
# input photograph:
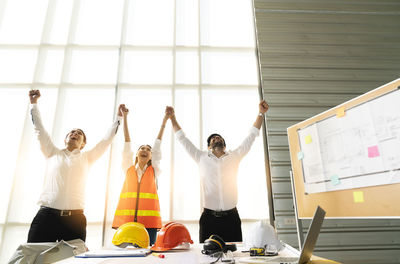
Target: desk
(191, 256)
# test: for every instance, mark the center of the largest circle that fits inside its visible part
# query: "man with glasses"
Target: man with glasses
(218, 175)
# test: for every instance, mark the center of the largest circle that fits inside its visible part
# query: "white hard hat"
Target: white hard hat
(262, 234)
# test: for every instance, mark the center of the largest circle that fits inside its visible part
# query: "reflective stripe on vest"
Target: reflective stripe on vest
(144, 209)
(141, 195)
(140, 212)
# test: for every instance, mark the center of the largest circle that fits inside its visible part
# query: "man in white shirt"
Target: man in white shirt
(62, 201)
(218, 175)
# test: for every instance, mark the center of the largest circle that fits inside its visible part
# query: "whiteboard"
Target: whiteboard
(347, 159)
(358, 148)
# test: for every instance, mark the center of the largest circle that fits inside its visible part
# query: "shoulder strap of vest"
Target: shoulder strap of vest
(154, 175)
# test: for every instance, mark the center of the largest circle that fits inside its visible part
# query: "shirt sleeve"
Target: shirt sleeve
(194, 152)
(156, 157)
(101, 147)
(127, 157)
(46, 144)
(244, 148)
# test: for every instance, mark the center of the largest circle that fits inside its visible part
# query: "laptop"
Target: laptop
(307, 249)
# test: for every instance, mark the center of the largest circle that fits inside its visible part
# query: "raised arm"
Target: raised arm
(127, 154)
(102, 146)
(164, 121)
(124, 112)
(170, 112)
(46, 144)
(263, 108)
(156, 150)
(194, 152)
(244, 148)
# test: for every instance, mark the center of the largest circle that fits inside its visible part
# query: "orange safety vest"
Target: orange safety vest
(146, 209)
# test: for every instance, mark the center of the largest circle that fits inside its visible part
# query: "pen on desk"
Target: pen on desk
(158, 255)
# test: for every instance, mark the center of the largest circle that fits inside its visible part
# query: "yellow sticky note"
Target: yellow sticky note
(308, 139)
(340, 112)
(358, 197)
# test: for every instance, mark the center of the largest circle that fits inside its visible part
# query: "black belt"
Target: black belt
(62, 212)
(220, 213)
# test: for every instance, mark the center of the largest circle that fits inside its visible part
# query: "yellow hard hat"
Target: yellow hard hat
(131, 233)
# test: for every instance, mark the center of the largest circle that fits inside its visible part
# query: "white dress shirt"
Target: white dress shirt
(67, 171)
(127, 159)
(219, 175)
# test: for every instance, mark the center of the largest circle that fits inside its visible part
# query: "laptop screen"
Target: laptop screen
(312, 235)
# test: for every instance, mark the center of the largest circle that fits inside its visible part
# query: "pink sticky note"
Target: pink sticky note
(373, 152)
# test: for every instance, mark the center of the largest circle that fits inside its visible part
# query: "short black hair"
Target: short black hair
(84, 135)
(214, 135)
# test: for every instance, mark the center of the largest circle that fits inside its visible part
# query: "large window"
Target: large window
(88, 56)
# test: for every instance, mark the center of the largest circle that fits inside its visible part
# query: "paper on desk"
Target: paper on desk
(188, 257)
(106, 253)
(288, 251)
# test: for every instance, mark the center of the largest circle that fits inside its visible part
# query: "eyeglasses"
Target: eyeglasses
(223, 257)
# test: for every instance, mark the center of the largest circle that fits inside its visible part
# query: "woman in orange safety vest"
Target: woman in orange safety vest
(138, 201)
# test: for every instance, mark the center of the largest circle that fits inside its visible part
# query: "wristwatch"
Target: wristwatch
(261, 114)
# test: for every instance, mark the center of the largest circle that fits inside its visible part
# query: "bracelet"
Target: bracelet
(260, 114)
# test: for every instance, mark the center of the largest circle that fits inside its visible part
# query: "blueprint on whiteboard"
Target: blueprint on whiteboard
(359, 149)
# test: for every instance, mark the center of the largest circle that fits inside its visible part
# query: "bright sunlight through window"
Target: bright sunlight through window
(87, 57)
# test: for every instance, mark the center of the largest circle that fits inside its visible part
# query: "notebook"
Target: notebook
(308, 246)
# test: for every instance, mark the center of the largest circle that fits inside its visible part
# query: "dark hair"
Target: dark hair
(136, 158)
(84, 135)
(214, 135)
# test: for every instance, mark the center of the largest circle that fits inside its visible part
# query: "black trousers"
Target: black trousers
(49, 226)
(152, 235)
(226, 224)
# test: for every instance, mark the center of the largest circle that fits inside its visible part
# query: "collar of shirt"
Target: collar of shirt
(139, 171)
(75, 151)
(211, 154)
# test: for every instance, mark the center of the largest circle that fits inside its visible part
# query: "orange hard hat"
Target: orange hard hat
(170, 236)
